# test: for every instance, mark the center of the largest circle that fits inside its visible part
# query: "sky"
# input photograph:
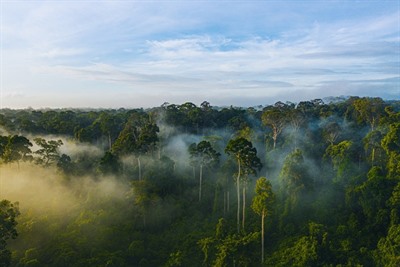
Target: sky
(133, 54)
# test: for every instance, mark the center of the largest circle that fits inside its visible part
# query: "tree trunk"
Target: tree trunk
(373, 156)
(262, 236)
(238, 198)
(373, 124)
(244, 206)
(140, 168)
(225, 202)
(229, 203)
(216, 197)
(109, 141)
(200, 178)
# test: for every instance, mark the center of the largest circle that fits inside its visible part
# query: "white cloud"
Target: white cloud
(60, 52)
(134, 49)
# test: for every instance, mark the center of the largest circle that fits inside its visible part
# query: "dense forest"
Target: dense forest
(315, 183)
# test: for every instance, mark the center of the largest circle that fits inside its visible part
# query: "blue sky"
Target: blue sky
(133, 54)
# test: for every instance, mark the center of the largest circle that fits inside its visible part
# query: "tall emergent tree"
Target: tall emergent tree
(275, 117)
(297, 120)
(110, 125)
(138, 137)
(372, 146)
(203, 154)
(8, 213)
(262, 204)
(369, 110)
(248, 163)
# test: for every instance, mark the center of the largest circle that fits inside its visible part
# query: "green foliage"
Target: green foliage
(175, 259)
(17, 148)
(65, 164)
(262, 205)
(388, 251)
(391, 144)
(341, 159)
(262, 201)
(373, 148)
(8, 214)
(48, 153)
(309, 250)
(294, 173)
(203, 154)
(139, 136)
(109, 164)
(245, 154)
(234, 249)
(331, 132)
(369, 110)
(3, 144)
(295, 184)
(275, 118)
(374, 194)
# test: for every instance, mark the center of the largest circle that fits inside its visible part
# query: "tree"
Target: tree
(372, 146)
(331, 132)
(109, 164)
(388, 251)
(276, 119)
(294, 182)
(394, 203)
(8, 214)
(48, 153)
(203, 154)
(144, 196)
(175, 259)
(138, 137)
(248, 163)
(340, 157)
(110, 126)
(308, 250)
(262, 204)
(89, 134)
(17, 148)
(369, 110)
(296, 121)
(310, 109)
(3, 144)
(391, 144)
(65, 164)
(373, 196)
(234, 249)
